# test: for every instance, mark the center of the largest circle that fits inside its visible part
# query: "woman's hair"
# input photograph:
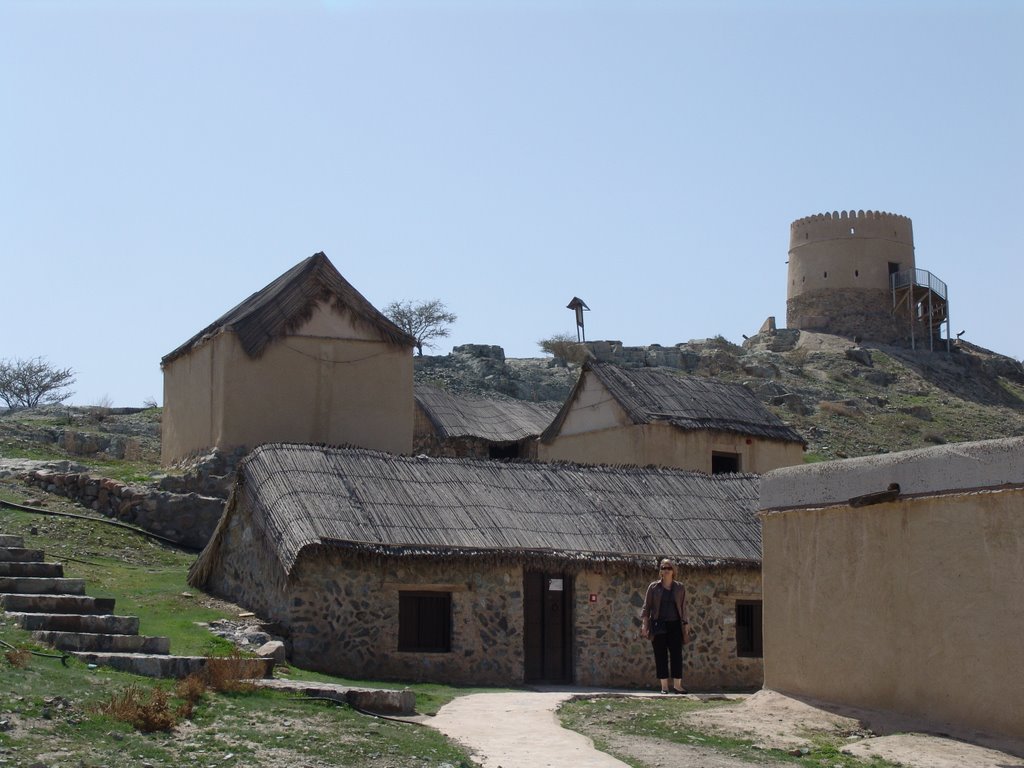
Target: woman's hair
(666, 561)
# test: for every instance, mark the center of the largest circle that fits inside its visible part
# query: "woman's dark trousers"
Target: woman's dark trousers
(669, 647)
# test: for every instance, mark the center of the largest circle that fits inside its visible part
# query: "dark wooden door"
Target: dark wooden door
(547, 632)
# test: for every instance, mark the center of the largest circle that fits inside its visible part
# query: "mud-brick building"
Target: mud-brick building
(305, 359)
(657, 416)
(471, 571)
(854, 274)
(473, 426)
(895, 583)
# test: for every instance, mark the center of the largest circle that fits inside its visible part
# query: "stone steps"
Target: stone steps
(56, 603)
(76, 622)
(36, 569)
(20, 555)
(160, 665)
(34, 585)
(57, 611)
(102, 642)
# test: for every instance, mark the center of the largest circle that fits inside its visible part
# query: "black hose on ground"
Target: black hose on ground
(117, 523)
(63, 656)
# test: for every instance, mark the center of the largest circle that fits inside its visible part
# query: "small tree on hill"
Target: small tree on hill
(34, 382)
(565, 348)
(423, 321)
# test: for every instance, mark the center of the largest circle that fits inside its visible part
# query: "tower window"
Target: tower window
(856, 273)
(826, 274)
(852, 230)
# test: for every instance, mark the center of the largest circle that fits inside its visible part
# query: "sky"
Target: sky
(161, 161)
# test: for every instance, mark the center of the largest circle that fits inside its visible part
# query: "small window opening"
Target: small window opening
(856, 273)
(749, 640)
(724, 463)
(894, 267)
(852, 230)
(425, 622)
(826, 274)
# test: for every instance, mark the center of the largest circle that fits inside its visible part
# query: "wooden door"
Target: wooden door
(547, 632)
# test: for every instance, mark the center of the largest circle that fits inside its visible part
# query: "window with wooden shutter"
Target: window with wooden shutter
(425, 622)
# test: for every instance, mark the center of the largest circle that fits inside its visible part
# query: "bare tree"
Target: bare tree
(423, 321)
(29, 383)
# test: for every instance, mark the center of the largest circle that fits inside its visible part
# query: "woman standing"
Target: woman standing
(665, 621)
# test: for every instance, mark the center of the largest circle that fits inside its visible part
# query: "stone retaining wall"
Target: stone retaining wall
(188, 519)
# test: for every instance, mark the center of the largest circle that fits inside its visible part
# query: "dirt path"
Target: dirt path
(521, 730)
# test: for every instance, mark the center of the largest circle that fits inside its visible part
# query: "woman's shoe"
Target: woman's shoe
(665, 691)
(679, 690)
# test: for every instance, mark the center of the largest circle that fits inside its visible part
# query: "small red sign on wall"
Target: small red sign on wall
(593, 597)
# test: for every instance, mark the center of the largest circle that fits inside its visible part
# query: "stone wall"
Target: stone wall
(188, 519)
(339, 611)
(650, 356)
(854, 313)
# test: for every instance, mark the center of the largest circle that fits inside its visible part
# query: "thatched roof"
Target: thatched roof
(300, 496)
(288, 302)
(499, 420)
(650, 395)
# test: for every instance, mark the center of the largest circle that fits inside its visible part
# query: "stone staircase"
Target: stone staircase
(56, 610)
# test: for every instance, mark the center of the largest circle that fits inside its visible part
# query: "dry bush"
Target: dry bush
(933, 437)
(190, 690)
(565, 349)
(232, 673)
(19, 657)
(840, 409)
(130, 706)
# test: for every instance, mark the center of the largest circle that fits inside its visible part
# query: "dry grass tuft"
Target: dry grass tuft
(232, 673)
(190, 690)
(840, 409)
(19, 657)
(148, 716)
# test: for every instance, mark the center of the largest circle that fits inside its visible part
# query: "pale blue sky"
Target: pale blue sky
(160, 161)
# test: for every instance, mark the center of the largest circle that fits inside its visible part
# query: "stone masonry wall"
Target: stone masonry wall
(188, 519)
(854, 313)
(610, 651)
(339, 610)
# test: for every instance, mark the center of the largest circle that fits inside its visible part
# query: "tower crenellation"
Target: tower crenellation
(842, 224)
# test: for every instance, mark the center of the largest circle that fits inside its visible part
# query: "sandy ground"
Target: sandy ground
(781, 722)
(521, 730)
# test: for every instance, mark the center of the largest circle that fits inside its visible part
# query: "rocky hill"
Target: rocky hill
(845, 399)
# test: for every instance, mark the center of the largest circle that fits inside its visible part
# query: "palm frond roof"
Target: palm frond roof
(651, 395)
(488, 418)
(300, 496)
(288, 302)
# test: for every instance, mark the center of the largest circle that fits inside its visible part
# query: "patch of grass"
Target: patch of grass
(814, 458)
(666, 721)
(95, 717)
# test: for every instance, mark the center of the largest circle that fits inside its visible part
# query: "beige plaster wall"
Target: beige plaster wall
(193, 394)
(327, 382)
(668, 446)
(912, 606)
(847, 250)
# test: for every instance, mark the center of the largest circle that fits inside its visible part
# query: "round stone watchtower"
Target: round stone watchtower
(847, 275)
